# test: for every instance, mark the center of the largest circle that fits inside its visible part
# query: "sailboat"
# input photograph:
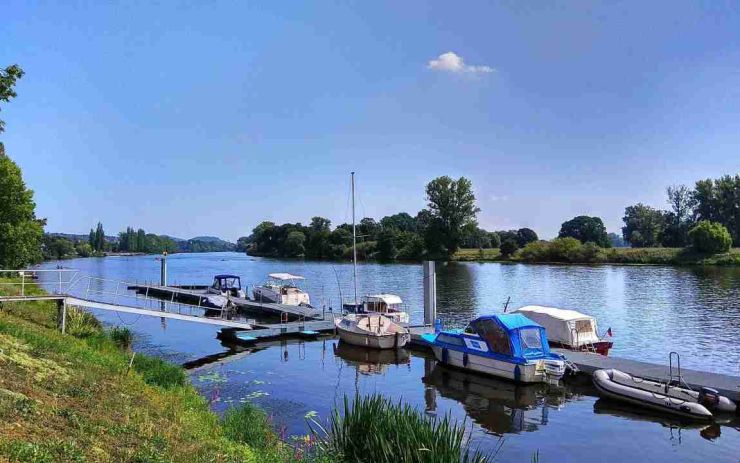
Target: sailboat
(368, 329)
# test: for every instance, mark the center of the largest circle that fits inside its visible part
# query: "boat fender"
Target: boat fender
(465, 359)
(445, 355)
(517, 373)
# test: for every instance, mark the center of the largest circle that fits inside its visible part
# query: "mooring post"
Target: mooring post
(62, 315)
(430, 292)
(163, 270)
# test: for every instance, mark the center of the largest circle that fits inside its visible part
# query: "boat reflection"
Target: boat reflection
(499, 406)
(371, 361)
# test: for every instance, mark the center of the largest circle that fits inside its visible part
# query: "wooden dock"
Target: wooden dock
(587, 363)
(197, 296)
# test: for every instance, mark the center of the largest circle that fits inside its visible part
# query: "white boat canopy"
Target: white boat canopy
(565, 326)
(389, 299)
(285, 276)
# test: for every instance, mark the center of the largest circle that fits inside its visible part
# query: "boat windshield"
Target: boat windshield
(531, 341)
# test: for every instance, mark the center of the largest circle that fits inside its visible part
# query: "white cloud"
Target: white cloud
(452, 62)
(499, 198)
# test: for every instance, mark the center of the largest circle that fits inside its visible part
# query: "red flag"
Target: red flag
(609, 331)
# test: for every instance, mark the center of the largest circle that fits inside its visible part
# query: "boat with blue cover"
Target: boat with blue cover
(508, 346)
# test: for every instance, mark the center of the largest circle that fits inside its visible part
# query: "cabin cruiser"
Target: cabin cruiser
(223, 287)
(388, 305)
(569, 329)
(509, 346)
(281, 288)
(372, 330)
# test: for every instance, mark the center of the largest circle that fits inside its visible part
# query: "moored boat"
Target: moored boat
(388, 305)
(508, 346)
(372, 330)
(699, 405)
(569, 329)
(282, 288)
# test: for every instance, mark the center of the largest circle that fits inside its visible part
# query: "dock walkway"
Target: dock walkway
(587, 362)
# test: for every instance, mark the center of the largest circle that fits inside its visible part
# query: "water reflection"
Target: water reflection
(371, 361)
(499, 406)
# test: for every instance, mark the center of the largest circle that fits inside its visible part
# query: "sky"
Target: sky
(206, 118)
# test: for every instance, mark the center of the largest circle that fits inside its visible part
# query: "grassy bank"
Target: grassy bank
(655, 256)
(72, 398)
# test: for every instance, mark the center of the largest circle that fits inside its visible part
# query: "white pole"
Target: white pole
(354, 242)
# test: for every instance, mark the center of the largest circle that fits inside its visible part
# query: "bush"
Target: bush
(710, 237)
(374, 428)
(509, 247)
(565, 250)
(82, 324)
(536, 251)
(122, 337)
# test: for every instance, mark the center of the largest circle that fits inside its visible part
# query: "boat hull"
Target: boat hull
(391, 341)
(601, 347)
(531, 372)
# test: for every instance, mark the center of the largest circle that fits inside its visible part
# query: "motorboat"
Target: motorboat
(664, 397)
(281, 288)
(227, 285)
(389, 305)
(508, 346)
(372, 330)
(569, 329)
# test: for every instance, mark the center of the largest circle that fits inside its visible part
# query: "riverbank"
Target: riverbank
(76, 397)
(645, 256)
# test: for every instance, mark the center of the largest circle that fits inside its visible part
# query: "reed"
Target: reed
(375, 429)
(122, 337)
(157, 372)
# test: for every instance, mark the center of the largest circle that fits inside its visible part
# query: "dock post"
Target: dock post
(430, 292)
(163, 270)
(62, 314)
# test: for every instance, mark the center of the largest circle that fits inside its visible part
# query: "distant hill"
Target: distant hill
(197, 244)
(208, 239)
(75, 237)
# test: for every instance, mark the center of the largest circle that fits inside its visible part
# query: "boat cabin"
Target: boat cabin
(506, 335)
(389, 305)
(568, 328)
(227, 284)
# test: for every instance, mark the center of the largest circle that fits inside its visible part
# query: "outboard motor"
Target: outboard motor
(709, 398)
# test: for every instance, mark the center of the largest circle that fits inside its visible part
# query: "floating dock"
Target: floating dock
(588, 362)
(198, 295)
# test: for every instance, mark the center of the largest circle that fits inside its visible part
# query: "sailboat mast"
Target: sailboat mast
(354, 241)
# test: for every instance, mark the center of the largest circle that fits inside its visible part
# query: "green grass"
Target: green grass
(375, 429)
(647, 256)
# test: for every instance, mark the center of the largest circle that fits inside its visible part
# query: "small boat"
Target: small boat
(508, 346)
(389, 305)
(281, 288)
(226, 285)
(617, 385)
(372, 330)
(569, 329)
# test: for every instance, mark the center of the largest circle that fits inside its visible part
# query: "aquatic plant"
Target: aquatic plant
(122, 337)
(375, 429)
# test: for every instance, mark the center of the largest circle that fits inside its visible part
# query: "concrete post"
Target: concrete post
(430, 292)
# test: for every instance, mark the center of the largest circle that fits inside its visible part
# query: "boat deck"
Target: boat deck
(587, 362)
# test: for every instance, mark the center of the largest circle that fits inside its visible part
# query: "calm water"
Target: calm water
(652, 311)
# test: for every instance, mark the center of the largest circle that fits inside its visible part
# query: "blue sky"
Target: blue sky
(192, 118)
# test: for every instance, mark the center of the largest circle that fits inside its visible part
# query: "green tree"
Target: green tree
(586, 230)
(452, 206)
(294, 244)
(20, 231)
(411, 246)
(242, 244)
(402, 222)
(495, 239)
(83, 249)
(509, 247)
(679, 219)
(616, 240)
(719, 201)
(386, 245)
(710, 237)
(320, 224)
(525, 236)
(341, 237)
(643, 225)
(57, 247)
(8, 78)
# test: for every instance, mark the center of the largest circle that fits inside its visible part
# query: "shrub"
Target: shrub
(374, 428)
(535, 251)
(508, 247)
(710, 237)
(82, 324)
(122, 337)
(590, 252)
(565, 250)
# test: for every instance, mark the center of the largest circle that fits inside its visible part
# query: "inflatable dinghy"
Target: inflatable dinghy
(617, 385)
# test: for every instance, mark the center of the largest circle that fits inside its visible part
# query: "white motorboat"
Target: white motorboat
(372, 330)
(569, 329)
(281, 288)
(227, 285)
(617, 385)
(389, 305)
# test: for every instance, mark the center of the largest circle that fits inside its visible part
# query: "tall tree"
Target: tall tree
(8, 78)
(525, 236)
(585, 229)
(452, 206)
(643, 225)
(20, 231)
(719, 201)
(679, 220)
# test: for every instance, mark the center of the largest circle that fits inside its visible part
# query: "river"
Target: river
(652, 311)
